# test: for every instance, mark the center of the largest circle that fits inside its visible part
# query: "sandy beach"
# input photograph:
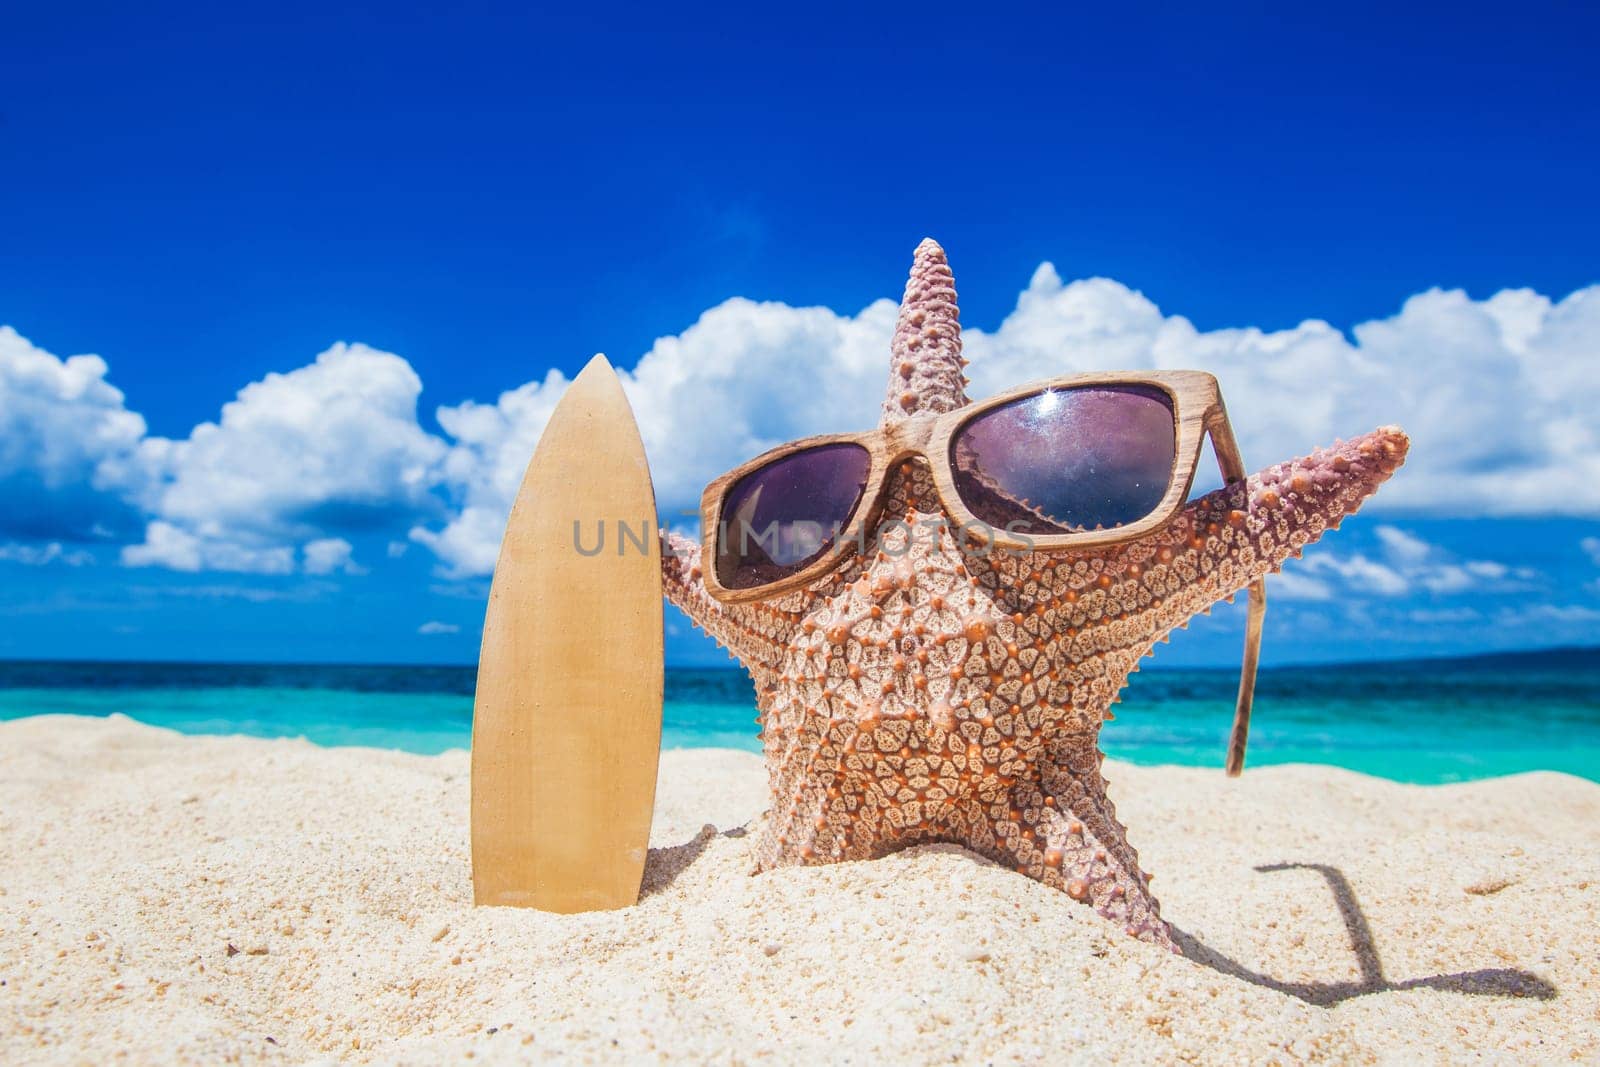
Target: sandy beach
(166, 898)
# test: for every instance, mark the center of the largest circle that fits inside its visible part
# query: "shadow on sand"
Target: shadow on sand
(662, 866)
(1491, 982)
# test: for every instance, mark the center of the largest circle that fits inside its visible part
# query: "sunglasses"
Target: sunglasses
(1074, 462)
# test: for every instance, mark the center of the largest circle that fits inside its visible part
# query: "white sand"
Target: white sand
(131, 859)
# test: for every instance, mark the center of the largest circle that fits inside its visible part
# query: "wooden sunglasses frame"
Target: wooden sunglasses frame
(1197, 411)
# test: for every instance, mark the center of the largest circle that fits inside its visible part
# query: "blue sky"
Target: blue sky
(1320, 207)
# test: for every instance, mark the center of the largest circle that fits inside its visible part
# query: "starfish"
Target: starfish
(921, 693)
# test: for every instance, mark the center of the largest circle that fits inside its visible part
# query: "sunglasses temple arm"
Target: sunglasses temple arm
(1247, 677)
(1233, 472)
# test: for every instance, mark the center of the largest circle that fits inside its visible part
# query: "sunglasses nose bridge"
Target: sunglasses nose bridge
(904, 440)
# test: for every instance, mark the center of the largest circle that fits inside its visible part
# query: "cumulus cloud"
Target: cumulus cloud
(332, 446)
(1445, 616)
(1559, 615)
(1360, 573)
(433, 627)
(40, 555)
(1293, 585)
(174, 548)
(745, 377)
(1492, 391)
(295, 459)
(304, 593)
(329, 554)
(1408, 549)
(66, 437)
(1405, 564)
(1496, 393)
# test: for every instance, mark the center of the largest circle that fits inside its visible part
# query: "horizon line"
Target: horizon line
(1298, 665)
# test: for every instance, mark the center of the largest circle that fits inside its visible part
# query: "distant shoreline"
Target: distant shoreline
(1559, 655)
(1424, 721)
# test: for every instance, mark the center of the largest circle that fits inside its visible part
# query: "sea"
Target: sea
(1424, 721)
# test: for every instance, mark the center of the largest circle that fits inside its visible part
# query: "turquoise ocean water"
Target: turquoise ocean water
(1415, 721)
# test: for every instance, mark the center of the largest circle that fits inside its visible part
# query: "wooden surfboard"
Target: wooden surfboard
(566, 727)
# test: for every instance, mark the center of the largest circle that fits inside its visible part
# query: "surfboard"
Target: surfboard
(566, 723)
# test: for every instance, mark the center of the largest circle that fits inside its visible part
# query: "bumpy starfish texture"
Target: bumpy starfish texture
(925, 354)
(926, 693)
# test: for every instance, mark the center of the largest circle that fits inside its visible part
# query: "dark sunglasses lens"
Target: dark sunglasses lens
(781, 518)
(1067, 460)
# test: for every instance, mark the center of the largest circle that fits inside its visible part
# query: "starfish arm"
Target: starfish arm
(1085, 847)
(1134, 594)
(1243, 532)
(755, 634)
(925, 362)
(1059, 827)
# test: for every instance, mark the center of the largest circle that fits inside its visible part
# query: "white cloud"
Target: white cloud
(1444, 616)
(334, 445)
(295, 458)
(470, 542)
(299, 594)
(1548, 614)
(65, 440)
(40, 555)
(1474, 574)
(330, 554)
(1591, 548)
(1292, 585)
(1360, 573)
(166, 545)
(745, 377)
(1497, 394)
(435, 627)
(1408, 563)
(749, 375)
(1405, 548)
